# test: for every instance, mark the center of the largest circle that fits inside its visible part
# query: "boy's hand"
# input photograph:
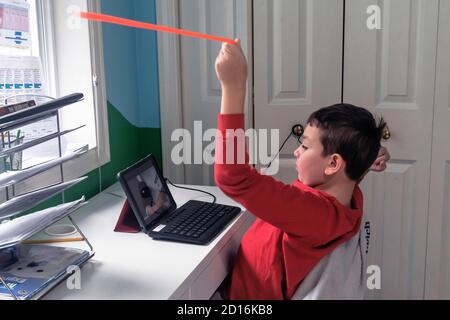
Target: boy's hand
(231, 67)
(380, 163)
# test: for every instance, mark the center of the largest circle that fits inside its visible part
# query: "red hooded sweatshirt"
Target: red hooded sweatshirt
(296, 225)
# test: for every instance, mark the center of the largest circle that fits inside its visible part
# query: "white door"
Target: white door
(438, 254)
(392, 72)
(297, 66)
(201, 92)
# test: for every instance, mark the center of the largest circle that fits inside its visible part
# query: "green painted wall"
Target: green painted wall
(128, 145)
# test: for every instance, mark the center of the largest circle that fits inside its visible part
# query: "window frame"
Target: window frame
(100, 155)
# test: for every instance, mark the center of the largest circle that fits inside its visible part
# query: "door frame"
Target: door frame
(171, 108)
(438, 251)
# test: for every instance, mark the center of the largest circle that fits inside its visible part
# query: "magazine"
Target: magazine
(38, 267)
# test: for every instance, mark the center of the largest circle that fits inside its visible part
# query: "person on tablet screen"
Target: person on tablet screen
(155, 199)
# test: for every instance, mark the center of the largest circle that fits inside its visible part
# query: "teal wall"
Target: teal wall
(131, 71)
(131, 63)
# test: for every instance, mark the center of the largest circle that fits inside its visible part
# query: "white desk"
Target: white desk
(133, 266)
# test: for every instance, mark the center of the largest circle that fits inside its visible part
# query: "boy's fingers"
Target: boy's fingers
(227, 48)
(384, 153)
(382, 166)
(385, 158)
(379, 165)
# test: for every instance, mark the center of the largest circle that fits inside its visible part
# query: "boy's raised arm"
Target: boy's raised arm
(304, 214)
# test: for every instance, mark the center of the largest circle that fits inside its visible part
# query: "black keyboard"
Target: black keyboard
(195, 218)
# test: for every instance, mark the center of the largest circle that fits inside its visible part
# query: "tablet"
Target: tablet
(147, 191)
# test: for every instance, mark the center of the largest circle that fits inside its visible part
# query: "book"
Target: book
(8, 109)
(37, 269)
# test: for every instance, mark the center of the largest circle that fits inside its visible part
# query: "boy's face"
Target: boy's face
(311, 164)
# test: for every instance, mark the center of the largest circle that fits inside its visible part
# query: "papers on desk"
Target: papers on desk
(20, 204)
(9, 178)
(36, 268)
(15, 231)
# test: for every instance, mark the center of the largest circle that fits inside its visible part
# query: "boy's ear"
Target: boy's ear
(335, 164)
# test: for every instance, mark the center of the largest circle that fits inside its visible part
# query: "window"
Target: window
(72, 61)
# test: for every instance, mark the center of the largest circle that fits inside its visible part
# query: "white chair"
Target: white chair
(339, 275)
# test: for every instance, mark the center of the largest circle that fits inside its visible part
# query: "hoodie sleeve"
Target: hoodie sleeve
(305, 213)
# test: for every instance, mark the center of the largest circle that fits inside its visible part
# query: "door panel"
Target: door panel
(297, 65)
(391, 72)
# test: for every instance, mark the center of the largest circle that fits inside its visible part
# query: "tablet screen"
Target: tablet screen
(148, 191)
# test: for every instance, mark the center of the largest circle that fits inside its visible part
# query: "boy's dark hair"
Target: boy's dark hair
(353, 133)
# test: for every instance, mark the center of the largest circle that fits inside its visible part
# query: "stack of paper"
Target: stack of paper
(21, 204)
(15, 231)
(9, 178)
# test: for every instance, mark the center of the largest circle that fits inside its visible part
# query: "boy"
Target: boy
(297, 224)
